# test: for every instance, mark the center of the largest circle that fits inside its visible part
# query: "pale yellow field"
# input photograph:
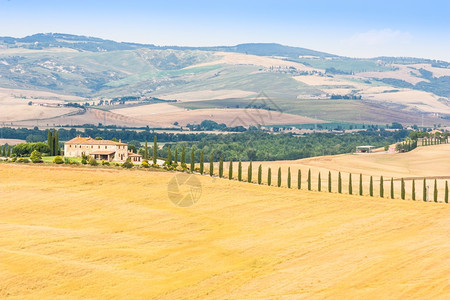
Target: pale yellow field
(414, 99)
(90, 233)
(147, 111)
(207, 95)
(248, 59)
(11, 141)
(403, 73)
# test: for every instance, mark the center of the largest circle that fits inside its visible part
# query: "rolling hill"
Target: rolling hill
(109, 233)
(297, 81)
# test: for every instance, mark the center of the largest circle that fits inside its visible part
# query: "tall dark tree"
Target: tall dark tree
(446, 190)
(175, 157)
(309, 179)
(279, 177)
(319, 183)
(289, 178)
(240, 171)
(402, 189)
(169, 156)
(424, 193)
(249, 172)
(413, 191)
(192, 159)
(350, 184)
(230, 169)
(371, 186)
(435, 194)
(221, 166)
(260, 174)
(50, 142)
(146, 154)
(381, 187)
(201, 162)
(269, 176)
(360, 185)
(299, 179)
(339, 183)
(57, 148)
(155, 150)
(329, 182)
(183, 157)
(211, 164)
(392, 188)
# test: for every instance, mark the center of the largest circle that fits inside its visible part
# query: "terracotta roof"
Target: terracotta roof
(91, 141)
(133, 154)
(105, 152)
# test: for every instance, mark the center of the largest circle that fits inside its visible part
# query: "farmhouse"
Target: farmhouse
(99, 149)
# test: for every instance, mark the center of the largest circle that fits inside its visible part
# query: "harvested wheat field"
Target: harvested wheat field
(105, 233)
(431, 162)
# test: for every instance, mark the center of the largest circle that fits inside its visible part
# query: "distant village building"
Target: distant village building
(106, 150)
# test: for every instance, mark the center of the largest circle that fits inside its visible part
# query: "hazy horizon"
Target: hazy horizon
(349, 28)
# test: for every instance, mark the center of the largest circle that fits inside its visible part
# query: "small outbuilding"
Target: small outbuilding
(364, 149)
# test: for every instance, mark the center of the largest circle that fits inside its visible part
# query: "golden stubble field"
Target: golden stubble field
(96, 233)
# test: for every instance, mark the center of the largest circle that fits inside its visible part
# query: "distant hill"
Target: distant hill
(299, 81)
(93, 44)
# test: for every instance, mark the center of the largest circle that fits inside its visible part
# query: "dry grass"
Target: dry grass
(208, 95)
(90, 233)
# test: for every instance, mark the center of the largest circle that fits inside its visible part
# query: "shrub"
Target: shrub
(36, 157)
(105, 163)
(58, 160)
(145, 164)
(127, 164)
(93, 161)
(23, 160)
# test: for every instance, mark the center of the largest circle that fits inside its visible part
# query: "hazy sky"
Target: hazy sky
(351, 28)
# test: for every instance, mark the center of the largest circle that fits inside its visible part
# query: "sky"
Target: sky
(349, 28)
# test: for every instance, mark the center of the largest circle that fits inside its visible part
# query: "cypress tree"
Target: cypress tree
(309, 179)
(381, 187)
(201, 162)
(146, 151)
(289, 178)
(402, 189)
(169, 156)
(435, 194)
(4, 150)
(8, 153)
(249, 172)
(57, 148)
(230, 169)
(299, 179)
(50, 141)
(240, 171)
(424, 193)
(155, 150)
(269, 177)
(319, 183)
(192, 160)
(446, 192)
(54, 142)
(413, 192)
(329, 181)
(350, 184)
(392, 188)
(339, 183)
(360, 185)
(279, 177)
(259, 174)
(221, 167)
(371, 186)
(183, 157)
(211, 164)
(175, 159)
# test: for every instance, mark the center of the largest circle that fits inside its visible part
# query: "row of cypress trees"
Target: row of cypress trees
(5, 150)
(299, 176)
